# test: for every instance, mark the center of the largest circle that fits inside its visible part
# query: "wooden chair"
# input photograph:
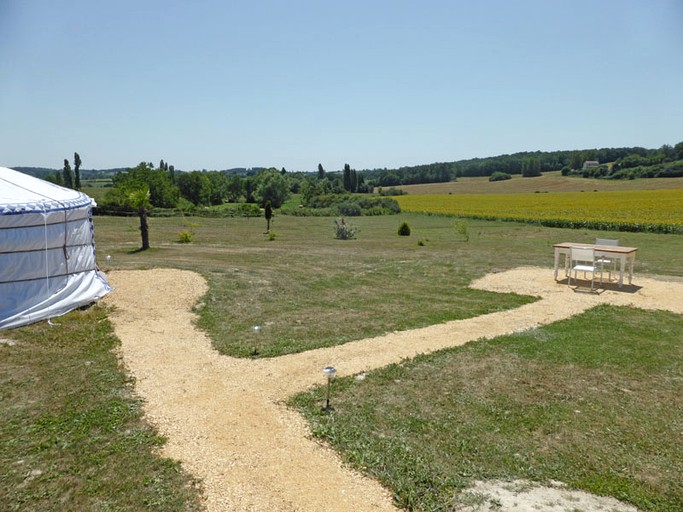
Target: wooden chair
(582, 259)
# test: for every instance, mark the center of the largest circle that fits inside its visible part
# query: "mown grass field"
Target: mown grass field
(80, 443)
(548, 182)
(633, 210)
(598, 408)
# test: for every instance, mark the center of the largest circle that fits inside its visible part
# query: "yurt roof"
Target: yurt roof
(20, 192)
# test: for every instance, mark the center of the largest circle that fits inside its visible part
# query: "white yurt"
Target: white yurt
(47, 250)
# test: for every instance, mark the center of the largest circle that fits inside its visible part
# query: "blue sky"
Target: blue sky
(207, 84)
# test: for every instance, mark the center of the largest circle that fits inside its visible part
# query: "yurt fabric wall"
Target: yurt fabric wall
(47, 250)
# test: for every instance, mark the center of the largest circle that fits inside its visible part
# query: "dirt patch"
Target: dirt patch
(525, 496)
(225, 419)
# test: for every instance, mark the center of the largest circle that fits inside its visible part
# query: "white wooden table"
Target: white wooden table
(625, 255)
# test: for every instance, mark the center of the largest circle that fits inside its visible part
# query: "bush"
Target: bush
(344, 230)
(461, 230)
(185, 236)
(391, 192)
(349, 209)
(499, 176)
(404, 229)
(348, 205)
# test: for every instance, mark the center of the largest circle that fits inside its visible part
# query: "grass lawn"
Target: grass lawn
(72, 433)
(307, 289)
(595, 401)
(71, 429)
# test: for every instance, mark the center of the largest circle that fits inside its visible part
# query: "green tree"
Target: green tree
(576, 160)
(55, 178)
(77, 170)
(269, 215)
(321, 172)
(195, 187)
(139, 200)
(346, 177)
(249, 189)
(68, 175)
(235, 189)
(219, 187)
(678, 151)
(163, 194)
(531, 167)
(271, 186)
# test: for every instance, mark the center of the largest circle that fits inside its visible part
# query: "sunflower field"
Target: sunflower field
(659, 211)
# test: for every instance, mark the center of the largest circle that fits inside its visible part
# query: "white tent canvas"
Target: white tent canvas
(47, 250)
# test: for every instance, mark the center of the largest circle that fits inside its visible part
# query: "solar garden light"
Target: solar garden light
(256, 329)
(329, 372)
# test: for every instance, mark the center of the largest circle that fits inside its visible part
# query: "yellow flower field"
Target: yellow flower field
(633, 210)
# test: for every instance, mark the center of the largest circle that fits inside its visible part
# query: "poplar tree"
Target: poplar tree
(68, 175)
(77, 170)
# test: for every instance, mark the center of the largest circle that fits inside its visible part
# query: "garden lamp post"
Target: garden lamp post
(329, 372)
(256, 330)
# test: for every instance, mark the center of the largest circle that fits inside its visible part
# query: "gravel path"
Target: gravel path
(225, 418)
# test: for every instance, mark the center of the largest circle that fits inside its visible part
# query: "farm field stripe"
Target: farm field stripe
(634, 210)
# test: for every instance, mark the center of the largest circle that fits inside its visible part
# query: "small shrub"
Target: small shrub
(185, 236)
(420, 243)
(461, 230)
(404, 229)
(343, 230)
(271, 235)
(499, 176)
(392, 192)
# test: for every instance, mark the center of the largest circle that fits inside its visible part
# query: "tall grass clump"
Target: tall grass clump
(344, 230)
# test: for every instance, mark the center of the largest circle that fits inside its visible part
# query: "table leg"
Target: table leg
(557, 262)
(622, 264)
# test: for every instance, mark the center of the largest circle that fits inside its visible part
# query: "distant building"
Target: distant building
(590, 163)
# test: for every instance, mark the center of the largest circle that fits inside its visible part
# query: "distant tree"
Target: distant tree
(163, 194)
(283, 171)
(271, 186)
(576, 160)
(337, 186)
(68, 175)
(321, 172)
(55, 178)
(171, 173)
(388, 179)
(678, 151)
(195, 186)
(249, 190)
(161, 164)
(139, 200)
(77, 170)
(269, 215)
(235, 189)
(219, 187)
(346, 177)
(531, 167)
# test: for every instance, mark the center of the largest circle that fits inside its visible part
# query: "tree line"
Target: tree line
(185, 190)
(525, 163)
